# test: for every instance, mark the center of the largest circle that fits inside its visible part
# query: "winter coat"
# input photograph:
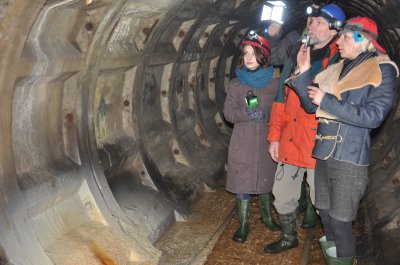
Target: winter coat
(351, 108)
(290, 124)
(250, 167)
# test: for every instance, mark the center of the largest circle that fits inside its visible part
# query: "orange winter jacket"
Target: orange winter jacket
(290, 125)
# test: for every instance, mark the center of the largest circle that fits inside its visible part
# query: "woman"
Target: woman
(350, 99)
(250, 168)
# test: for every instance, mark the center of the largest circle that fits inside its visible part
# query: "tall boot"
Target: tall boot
(310, 215)
(289, 239)
(332, 258)
(266, 215)
(303, 197)
(243, 207)
(325, 244)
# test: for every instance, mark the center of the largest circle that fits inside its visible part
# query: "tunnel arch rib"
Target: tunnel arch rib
(112, 124)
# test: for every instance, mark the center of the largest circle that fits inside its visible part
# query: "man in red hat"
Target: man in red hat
(354, 96)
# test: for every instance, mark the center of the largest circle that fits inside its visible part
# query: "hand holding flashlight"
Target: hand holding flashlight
(303, 59)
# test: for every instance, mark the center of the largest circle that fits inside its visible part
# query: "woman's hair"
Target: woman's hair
(261, 57)
(365, 46)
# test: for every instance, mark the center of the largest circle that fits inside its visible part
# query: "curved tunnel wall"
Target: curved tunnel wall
(112, 124)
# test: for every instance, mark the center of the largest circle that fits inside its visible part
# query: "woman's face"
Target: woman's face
(249, 58)
(348, 48)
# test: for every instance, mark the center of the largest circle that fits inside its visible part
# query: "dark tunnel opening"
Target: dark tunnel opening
(112, 124)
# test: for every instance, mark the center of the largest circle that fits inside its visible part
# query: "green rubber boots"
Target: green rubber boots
(266, 215)
(241, 233)
(332, 259)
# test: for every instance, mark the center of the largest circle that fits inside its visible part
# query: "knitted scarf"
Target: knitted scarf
(256, 79)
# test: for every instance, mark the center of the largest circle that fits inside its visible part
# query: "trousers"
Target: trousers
(287, 186)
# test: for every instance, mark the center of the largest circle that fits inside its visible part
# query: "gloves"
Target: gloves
(255, 114)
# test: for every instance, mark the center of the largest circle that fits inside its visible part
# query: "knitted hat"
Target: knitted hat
(256, 40)
(366, 27)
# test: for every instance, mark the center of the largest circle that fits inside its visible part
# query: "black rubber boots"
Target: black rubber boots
(289, 239)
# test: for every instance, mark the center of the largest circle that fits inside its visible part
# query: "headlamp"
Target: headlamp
(335, 24)
(252, 35)
(312, 11)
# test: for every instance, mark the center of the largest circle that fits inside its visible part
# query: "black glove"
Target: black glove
(255, 114)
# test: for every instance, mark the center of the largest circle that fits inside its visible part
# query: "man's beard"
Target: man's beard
(316, 41)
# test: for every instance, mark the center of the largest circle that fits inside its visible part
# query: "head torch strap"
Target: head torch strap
(361, 30)
(333, 22)
(325, 15)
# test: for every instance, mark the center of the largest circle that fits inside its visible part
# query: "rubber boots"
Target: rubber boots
(265, 207)
(310, 215)
(325, 244)
(243, 207)
(332, 258)
(289, 239)
(303, 197)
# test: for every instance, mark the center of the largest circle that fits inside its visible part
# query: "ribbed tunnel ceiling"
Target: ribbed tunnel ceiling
(112, 127)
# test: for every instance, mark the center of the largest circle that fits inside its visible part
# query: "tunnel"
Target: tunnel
(112, 126)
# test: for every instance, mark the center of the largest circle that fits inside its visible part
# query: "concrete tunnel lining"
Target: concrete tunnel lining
(118, 116)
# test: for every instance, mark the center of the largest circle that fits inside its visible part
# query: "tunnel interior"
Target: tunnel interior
(112, 124)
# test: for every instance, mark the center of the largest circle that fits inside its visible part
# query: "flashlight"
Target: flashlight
(305, 40)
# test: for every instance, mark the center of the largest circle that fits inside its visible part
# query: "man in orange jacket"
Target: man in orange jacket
(292, 131)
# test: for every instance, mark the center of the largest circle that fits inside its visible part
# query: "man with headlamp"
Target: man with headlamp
(292, 131)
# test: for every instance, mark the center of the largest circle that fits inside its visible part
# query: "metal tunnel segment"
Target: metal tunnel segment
(112, 125)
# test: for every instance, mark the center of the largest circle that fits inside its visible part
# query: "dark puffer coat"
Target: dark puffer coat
(250, 167)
